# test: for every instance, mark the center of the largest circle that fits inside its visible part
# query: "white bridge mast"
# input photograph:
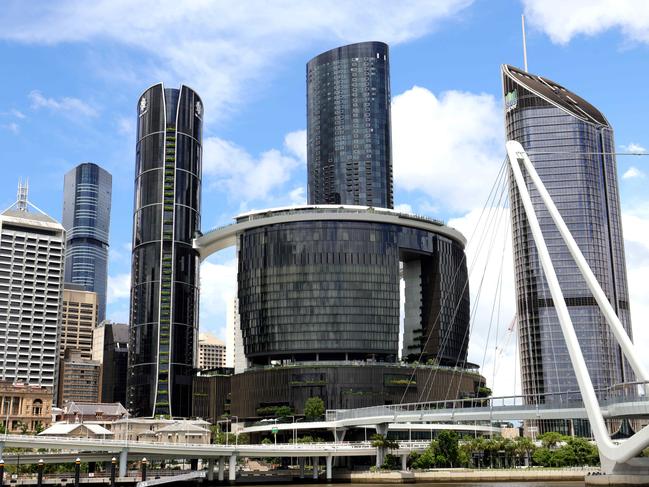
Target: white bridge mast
(613, 457)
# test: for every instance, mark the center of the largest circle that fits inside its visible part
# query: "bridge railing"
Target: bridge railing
(619, 393)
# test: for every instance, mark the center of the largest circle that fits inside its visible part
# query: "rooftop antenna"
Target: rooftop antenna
(524, 43)
(21, 201)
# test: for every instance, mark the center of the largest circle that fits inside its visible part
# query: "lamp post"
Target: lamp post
(2, 471)
(113, 465)
(144, 469)
(77, 471)
(39, 480)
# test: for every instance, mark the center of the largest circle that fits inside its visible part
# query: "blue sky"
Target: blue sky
(73, 71)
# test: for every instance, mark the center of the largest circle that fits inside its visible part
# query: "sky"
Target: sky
(73, 71)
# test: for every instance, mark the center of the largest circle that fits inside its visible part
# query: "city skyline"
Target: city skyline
(423, 99)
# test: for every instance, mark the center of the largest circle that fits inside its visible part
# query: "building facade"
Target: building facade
(321, 283)
(110, 349)
(79, 379)
(571, 145)
(164, 289)
(32, 249)
(25, 408)
(349, 150)
(87, 194)
(78, 319)
(211, 352)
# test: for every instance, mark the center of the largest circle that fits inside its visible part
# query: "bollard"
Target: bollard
(144, 469)
(2, 471)
(39, 480)
(77, 471)
(113, 466)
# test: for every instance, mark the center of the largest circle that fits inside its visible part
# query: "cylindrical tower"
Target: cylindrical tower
(571, 145)
(349, 151)
(87, 194)
(164, 288)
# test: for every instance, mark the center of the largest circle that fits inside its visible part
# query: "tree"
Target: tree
(314, 408)
(283, 412)
(524, 449)
(447, 442)
(551, 439)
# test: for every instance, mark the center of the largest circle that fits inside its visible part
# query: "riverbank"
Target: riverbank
(466, 475)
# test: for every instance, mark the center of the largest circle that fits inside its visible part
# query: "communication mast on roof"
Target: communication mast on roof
(524, 43)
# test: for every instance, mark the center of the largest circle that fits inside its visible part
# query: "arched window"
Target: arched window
(37, 407)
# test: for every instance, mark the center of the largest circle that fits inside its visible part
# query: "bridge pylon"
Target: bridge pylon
(615, 459)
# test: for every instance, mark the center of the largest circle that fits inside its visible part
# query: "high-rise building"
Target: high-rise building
(87, 194)
(32, 247)
(349, 151)
(211, 352)
(79, 379)
(571, 145)
(110, 349)
(78, 319)
(164, 293)
(235, 357)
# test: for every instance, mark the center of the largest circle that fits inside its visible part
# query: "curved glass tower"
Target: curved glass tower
(164, 289)
(570, 143)
(349, 152)
(87, 195)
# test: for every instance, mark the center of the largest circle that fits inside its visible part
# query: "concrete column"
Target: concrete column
(329, 459)
(404, 462)
(123, 462)
(316, 463)
(382, 429)
(221, 469)
(301, 462)
(210, 469)
(232, 471)
(339, 435)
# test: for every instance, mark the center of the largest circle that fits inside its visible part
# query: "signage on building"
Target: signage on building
(511, 100)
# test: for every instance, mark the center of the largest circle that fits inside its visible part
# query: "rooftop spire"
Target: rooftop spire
(21, 201)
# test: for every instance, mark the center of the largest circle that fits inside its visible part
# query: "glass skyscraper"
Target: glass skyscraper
(164, 288)
(87, 195)
(571, 145)
(349, 150)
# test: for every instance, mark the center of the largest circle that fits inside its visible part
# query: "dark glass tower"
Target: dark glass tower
(164, 289)
(87, 194)
(570, 143)
(348, 124)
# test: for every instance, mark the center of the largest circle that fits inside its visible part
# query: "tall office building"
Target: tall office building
(349, 153)
(32, 247)
(211, 352)
(79, 379)
(78, 319)
(164, 292)
(110, 349)
(571, 145)
(87, 194)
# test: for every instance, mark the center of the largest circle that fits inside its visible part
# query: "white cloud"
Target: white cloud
(403, 208)
(636, 237)
(491, 280)
(126, 126)
(633, 173)
(221, 47)
(18, 114)
(218, 288)
(295, 143)
(564, 20)
(633, 147)
(449, 147)
(119, 287)
(245, 177)
(65, 104)
(12, 127)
